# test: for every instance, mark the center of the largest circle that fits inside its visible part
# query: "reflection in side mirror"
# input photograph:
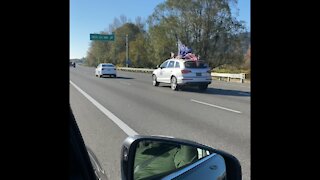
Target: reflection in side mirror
(156, 157)
(210, 167)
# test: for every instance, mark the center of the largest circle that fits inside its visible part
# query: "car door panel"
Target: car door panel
(168, 71)
(160, 75)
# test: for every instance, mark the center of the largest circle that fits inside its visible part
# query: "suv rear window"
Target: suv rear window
(107, 65)
(195, 64)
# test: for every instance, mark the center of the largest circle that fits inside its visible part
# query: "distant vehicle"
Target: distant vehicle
(106, 69)
(73, 64)
(181, 72)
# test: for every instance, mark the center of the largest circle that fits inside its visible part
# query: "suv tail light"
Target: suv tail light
(184, 71)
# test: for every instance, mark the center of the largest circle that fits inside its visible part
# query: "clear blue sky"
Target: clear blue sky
(90, 16)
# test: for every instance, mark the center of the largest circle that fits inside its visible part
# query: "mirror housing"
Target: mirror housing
(199, 168)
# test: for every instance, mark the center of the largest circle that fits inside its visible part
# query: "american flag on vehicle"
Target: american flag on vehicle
(185, 52)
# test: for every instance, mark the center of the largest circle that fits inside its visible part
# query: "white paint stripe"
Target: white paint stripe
(115, 119)
(215, 106)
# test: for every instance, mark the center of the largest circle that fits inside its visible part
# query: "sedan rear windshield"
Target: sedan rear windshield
(107, 65)
(195, 64)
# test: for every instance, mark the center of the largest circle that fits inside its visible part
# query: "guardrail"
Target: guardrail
(241, 76)
(136, 69)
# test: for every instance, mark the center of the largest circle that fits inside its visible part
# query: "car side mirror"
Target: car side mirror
(157, 157)
(157, 66)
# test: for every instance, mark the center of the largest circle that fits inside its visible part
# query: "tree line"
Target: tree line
(207, 26)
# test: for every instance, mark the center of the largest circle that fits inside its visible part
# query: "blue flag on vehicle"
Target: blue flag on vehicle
(182, 49)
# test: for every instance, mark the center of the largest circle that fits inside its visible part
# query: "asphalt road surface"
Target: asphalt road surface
(218, 117)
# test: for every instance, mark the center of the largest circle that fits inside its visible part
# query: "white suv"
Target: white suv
(180, 72)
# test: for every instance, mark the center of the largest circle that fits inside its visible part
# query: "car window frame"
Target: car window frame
(173, 63)
(164, 63)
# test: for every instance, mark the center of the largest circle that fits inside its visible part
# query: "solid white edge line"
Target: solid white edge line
(215, 106)
(115, 119)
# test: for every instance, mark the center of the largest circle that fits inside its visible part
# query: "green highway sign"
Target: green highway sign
(102, 37)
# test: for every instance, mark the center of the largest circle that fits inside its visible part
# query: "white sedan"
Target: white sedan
(106, 69)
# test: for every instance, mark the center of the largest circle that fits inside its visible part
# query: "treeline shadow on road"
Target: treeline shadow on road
(122, 77)
(119, 77)
(215, 91)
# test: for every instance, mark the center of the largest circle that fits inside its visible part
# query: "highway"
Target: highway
(218, 117)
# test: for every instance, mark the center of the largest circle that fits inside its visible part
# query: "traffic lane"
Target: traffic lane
(211, 96)
(236, 100)
(233, 98)
(223, 98)
(150, 112)
(219, 99)
(245, 87)
(231, 94)
(156, 116)
(149, 91)
(99, 133)
(203, 133)
(84, 69)
(129, 96)
(118, 96)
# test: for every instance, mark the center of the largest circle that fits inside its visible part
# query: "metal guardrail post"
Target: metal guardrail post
(243, 77)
